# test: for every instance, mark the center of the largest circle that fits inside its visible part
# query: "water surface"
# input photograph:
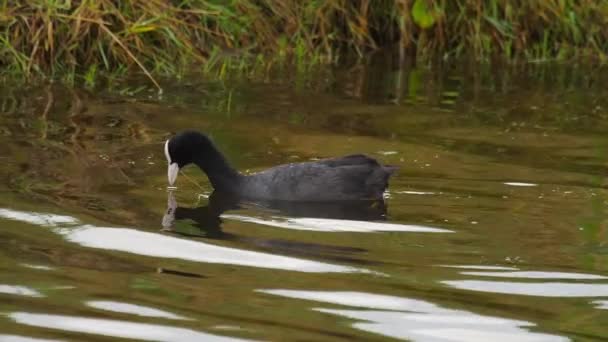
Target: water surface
(495, 228)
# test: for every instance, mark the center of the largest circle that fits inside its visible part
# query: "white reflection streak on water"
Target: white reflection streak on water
(544, 289)
(408, 192)
(418, 320)
(537, 275)
(19, 291)
(335, 225)
(40, 219)
(520, 184)
(132, 309)
(115, 328)
(162, 246)
(16, 338)
(482, 267)
(601, 304)
(38, 267)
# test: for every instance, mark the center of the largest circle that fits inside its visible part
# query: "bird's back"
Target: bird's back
(352, 177)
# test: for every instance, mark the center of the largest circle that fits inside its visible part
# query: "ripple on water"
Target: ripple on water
(115, 328)
(162, 246)
(409, 192)
(417, 320)
(16, 338)
(482, 267)
(38, 267)
(19, 290)
(521, 184)
(601, 304)
(335, 225)
(544, 289)
(537, 275)
(134, 309)
(39, 219)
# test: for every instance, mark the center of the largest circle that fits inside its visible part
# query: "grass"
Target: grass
(85, 38)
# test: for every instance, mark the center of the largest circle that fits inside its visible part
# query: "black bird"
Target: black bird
(352, 177)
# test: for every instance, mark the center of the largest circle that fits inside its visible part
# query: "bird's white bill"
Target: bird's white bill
(172, 173)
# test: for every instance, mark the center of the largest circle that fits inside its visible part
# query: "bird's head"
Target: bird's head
(180, 151)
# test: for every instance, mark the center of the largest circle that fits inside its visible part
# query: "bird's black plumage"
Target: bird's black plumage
(352, 177)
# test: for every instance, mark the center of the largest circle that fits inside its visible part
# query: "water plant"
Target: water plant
(167, 37)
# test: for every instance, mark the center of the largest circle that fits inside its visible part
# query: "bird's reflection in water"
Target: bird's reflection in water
(206, 218)
(209, 222)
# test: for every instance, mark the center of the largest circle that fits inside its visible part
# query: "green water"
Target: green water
(496, 227)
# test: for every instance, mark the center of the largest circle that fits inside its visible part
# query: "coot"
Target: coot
(352, 177)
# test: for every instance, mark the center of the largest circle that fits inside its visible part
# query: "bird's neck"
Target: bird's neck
(222, 176)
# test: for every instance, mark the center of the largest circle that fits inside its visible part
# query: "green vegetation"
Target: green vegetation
(169, 37)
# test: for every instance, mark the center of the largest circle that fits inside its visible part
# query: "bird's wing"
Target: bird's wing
(326, 182)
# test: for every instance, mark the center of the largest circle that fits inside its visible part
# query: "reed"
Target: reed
(84, 38)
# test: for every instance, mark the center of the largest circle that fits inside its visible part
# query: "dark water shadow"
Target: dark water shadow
(207, 219)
